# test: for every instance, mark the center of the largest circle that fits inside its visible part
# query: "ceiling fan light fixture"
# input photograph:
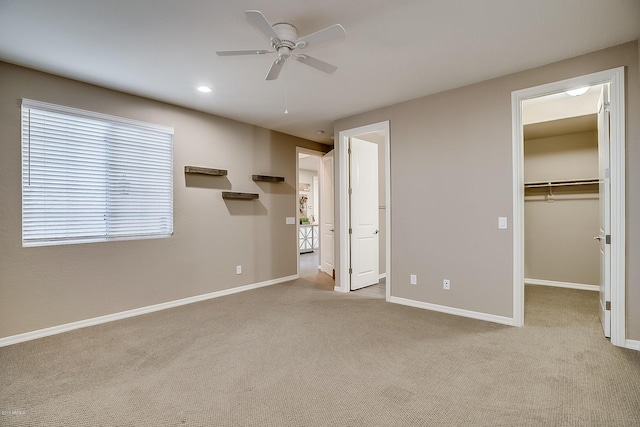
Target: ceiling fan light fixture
(577, 92)
(204, 89)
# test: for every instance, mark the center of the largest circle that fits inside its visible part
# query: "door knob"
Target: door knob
(597, 238)
(376, 232)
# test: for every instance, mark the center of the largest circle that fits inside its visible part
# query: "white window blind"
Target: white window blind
(89, 177)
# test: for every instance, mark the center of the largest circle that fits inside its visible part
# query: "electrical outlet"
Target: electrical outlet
(446, 284)
(238, 269)
(413, 279)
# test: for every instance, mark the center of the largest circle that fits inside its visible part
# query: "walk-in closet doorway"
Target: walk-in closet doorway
(562, 190)
(569, 181)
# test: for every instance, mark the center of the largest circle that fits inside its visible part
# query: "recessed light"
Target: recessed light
(577, 92)
(204, 89)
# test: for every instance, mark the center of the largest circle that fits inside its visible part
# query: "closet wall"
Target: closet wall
(560, 221)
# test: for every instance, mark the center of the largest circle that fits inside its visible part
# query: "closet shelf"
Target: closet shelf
(205, 171)
(561, 183)
(239, 196)
(267, 178)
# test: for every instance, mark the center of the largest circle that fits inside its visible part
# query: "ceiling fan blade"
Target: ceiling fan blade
(275, 69)
(257, 19)
(332, 33)
(316, 63)
(242, 52)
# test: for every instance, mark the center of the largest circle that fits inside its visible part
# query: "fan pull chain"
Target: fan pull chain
(286, 95)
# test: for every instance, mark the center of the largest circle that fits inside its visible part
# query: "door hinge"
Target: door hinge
(350, 271)
(607, 239)
(349, 151)
(607, 106)
(607, 173)
(350, 230)
(350, 191)
(608, 306)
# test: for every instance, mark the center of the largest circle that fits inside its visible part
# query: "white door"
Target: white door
(363, 179)
(605, 213)
(326, 215)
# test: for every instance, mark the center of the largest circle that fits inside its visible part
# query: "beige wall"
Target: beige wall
(559, 231)
(49, 286)
(451, 178)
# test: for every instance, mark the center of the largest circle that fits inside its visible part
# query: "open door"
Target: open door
(363, 180)
(604, 236)
(327, 215)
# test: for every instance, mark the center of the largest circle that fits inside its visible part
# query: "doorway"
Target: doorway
(615, 181)
(562, 192)
(378, 133)
(308, 211)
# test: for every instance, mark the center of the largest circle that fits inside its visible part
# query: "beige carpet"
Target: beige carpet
(297, 354)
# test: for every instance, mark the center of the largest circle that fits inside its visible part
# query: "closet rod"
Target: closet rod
(561, 183)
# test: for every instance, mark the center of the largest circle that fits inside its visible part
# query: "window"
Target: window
(89, 177)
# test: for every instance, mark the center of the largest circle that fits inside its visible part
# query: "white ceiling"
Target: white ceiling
(395, 50)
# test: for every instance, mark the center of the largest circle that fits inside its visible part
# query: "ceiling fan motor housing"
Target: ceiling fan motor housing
(288, 35)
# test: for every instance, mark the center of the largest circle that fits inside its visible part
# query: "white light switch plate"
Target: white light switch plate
(290, 220)
(502, 223)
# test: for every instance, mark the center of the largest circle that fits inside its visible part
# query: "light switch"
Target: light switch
(502, 223)
(290, 220)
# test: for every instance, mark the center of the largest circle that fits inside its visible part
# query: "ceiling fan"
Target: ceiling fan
(284, 39)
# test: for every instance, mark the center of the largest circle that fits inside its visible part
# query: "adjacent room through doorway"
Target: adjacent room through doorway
(308, 213)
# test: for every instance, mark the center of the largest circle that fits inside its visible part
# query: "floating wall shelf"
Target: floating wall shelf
(267, 178)
(205, 171)
(239, 196)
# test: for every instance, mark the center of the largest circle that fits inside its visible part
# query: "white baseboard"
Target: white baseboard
(382, 276)
(455, 311)
(40, 333)
(632, 344)
(569, 285)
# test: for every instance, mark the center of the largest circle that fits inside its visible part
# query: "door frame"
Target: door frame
(310, 152)
(615, 78)
(342, 205)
